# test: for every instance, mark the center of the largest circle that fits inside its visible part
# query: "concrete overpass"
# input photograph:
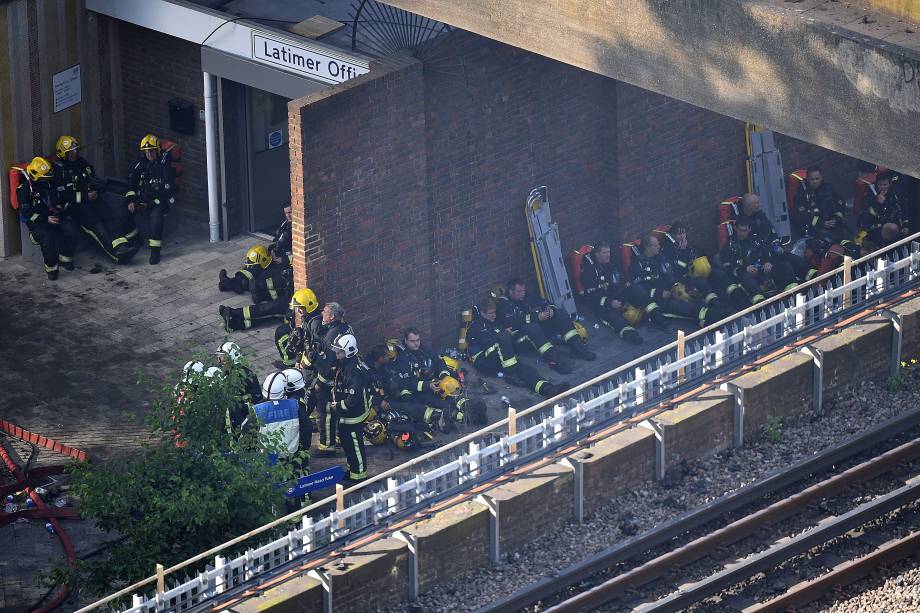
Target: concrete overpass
(842, 75)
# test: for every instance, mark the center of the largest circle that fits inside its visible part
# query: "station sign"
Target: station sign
(313, 63)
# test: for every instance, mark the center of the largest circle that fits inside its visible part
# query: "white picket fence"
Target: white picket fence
(485, 454)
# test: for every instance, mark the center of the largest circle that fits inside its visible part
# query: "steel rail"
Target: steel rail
(760, 307)
(786, 550)
(519, 467)
(716, 509)
(742, 528)
(845, 573)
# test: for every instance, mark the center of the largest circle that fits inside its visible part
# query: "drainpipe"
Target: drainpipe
(211, 148)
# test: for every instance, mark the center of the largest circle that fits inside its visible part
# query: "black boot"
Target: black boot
(154, 255)
(555, 361)
(52, 275)
(631, 336)
(578, 350)
(67, 265)
(224, 283)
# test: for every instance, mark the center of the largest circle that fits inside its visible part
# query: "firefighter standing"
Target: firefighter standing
(351, 396)
(271, 287)
(535, 321)
(49, 224)
(289, 336)
(152, 189)
(491, 351)
(821, 209)
(605, 294)
(318, 359)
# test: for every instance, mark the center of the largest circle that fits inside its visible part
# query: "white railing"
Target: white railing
(601, 401)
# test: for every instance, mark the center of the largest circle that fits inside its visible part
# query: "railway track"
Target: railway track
(706, 559)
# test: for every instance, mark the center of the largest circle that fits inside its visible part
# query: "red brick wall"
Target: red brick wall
(414, 180)
(156, 67)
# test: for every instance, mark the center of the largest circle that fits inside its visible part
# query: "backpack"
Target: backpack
(729, 210)
(175, 158)
(627, 251)
(466, 318)
(576, 262)
(17, 176)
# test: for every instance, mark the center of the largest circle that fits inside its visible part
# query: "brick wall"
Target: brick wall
(429, 179)
(155, 68)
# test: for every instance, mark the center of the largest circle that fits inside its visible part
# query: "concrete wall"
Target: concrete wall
(455, 540)
(39, 38)
(416, 209)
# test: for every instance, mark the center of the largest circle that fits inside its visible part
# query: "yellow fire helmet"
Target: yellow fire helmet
(150, 142)
(394, 345)
(858, 239)
(679, 292)
(451, 363)
(375, 432)
(582, 331)
(64, 144)
(700, 267)
(258, 254)
(39, 168)
(303, 298)
(632, 315)
(449, 386)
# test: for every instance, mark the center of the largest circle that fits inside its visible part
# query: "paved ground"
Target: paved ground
(72, 351)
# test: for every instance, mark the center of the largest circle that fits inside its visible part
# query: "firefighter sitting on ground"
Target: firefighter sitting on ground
(50, 226)
(279, 250)
(534, 321)
(426, 378)
(820, 209)
(271, 287)
(289, 336)
(658, 292)
(606, 295)
(750, 260)
(762, 228)
(882, 206)
(692, 267)
(403, 421)
(152, 190)
(491, 350)
(352, 399)
(80, 190)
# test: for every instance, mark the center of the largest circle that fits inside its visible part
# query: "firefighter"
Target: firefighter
(749, 259)
(279, 251)
(289, 336)
(351, 397)
(762, 228)
(491, 350)
(821, 208)
(152, 189)
(657, 290)
(881, 206)
(605, 292)
(693, 269)
(296, 388)
(534, 321)
(80, 191)
(230, 356)
(318, 360)
(271, 287)
(50, 226)
(256, 258)
(425, 378)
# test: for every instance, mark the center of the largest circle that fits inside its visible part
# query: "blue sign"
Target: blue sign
(316, 481)
(275, 139)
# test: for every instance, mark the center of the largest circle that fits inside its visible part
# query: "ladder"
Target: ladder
(546, 249)
(766, 179)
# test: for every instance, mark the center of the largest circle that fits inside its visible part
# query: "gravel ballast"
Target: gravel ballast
(847, 413)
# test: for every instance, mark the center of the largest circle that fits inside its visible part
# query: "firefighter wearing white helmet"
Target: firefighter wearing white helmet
(351, 400)
(273, 387)
(295, 387)
(230, 357)
(278, 416)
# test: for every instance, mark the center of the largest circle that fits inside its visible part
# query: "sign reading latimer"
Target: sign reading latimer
(305, 61)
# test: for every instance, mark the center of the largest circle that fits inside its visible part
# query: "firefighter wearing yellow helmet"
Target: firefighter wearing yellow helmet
(50, 225)
(693, 268)
(152, 190)
(289, 336)
(603, 291)
(424, 377)
(269, 283)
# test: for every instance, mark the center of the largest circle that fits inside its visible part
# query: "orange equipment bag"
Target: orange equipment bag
(175, 157)
(17, 176)
(729, 209)
(576, 261)
(627, 250)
